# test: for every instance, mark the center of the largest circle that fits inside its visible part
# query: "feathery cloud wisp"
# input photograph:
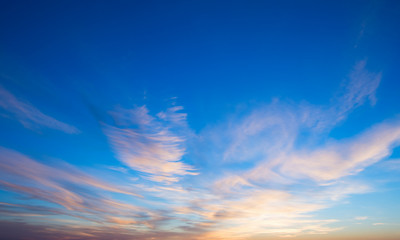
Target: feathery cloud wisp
(152, 145)
(269, 172)
(283, 143)
(30, 116)
(78, 194)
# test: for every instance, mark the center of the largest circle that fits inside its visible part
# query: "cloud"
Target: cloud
(356, 89)
(76, 231)
(361, 218)
(267, 130)
(285, 138)
(285, 146)
(274, 126)
(17, 164)
(152, 145)
(75, 193)
(339, 159)
(391, 164)
(258, 211)
(118, 169)
(361, 85)
(270, 169)
(378, 224)
(30, 116)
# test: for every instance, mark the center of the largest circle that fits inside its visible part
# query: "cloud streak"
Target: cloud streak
(76, 194)
(339, 159)
(361, 85)
(153, 145)
(29, 116)
(270, 170)
(284, 144)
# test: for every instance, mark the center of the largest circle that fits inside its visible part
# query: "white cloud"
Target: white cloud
(360, 86)
(285, 146)
(152, 145)
(270, 169)
(347, 157)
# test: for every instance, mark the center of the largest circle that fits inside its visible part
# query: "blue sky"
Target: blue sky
(199, 119)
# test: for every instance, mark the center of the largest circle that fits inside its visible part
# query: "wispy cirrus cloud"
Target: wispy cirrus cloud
(75, 231)
(347, 157)
(360, 86)
(378, 224)
(283, 143)
(74, 192)
(269, 172)
(268, 130)
(153, 145)
(241, 202)
(16, 164)
(29, 116)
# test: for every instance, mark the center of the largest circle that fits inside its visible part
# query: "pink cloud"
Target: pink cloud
(152, 145)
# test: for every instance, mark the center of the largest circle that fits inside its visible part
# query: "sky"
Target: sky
(200, 120)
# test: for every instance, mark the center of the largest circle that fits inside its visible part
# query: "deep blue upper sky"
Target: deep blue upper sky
(210, 54)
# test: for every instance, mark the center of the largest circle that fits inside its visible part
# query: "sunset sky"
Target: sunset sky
(190, 120)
